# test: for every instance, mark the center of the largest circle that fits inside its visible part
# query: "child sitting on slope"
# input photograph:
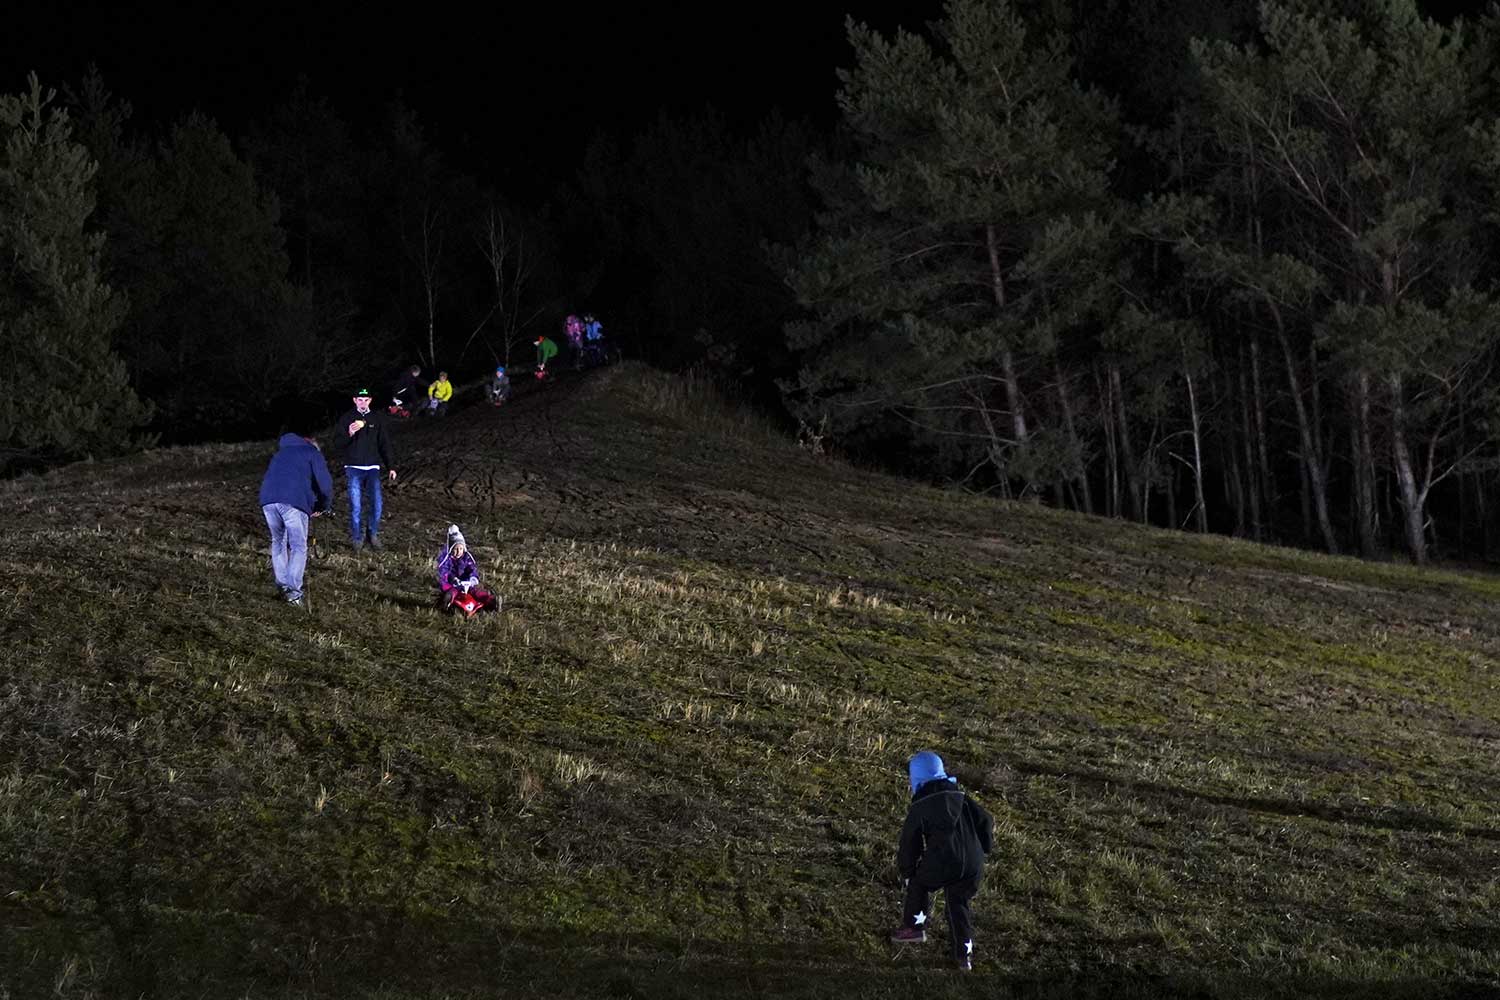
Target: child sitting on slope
(458, 577)
(499, 386)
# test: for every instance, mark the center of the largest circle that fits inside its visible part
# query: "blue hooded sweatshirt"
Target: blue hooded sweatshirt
(298, 476)
(924, 767)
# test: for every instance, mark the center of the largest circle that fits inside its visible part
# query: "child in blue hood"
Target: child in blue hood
(943, 845)
(498, 387)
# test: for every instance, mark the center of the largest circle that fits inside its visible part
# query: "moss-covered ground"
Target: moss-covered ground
(673, 765)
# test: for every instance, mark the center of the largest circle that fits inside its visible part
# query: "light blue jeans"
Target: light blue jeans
(288, 546)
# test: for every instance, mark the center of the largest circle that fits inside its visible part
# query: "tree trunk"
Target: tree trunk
(1127, 454)
(1080, 471)
(996, 446)
(1307, 518)
(1366, 516)
(1312, 459)
(1481, 511)
(1235, 492)
(1013, 397)
(1007, 361)
(1463, 493)
(429, 264)
(1200, 504)
(1170, 489)
(1412, 496)
(1252, 484)
(431, 329)
(1267, 497)
(1111, 456)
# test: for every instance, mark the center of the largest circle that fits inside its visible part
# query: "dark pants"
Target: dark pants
(956, 899)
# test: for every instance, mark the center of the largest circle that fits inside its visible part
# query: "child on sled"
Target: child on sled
(458, 578)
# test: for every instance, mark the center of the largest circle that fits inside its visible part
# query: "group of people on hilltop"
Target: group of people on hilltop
(585, 338)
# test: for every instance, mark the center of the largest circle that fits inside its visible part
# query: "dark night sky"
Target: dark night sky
(503, 91)
(509, 86)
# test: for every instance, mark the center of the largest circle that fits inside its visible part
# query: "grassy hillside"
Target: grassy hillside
(673, 765)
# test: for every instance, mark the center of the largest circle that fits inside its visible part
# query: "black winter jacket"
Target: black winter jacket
(408, 388)
(945, 837)
(370, 445)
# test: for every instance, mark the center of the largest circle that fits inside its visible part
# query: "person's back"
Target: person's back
(296, 486)
(297, 475)
(546, 350)
(944, 841)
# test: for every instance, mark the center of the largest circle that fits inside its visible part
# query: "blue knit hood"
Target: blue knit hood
(923, 767)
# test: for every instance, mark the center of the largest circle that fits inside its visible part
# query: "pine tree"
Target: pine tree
(215, 330)
(69, 395)
(933, 279)
(1361, 122)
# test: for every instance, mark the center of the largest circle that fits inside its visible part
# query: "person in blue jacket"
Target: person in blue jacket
(943, 845)
(296, 487)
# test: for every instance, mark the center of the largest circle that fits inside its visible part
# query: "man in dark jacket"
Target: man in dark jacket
(367, 448)
(408, 389)
(296, 486)
(943, 844)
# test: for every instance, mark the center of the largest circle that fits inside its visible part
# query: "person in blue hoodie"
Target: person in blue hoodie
(297, 486)
(943, 845)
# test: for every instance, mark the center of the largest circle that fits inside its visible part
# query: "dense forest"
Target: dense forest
(1209, 265)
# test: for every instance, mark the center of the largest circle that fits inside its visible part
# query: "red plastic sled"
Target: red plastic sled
(467, 604)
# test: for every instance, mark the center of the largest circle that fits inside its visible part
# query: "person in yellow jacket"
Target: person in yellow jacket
(438, 394)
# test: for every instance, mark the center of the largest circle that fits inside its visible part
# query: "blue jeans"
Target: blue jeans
(288, 546)
(359, 481)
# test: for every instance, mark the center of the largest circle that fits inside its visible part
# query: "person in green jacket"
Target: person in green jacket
(546, 350)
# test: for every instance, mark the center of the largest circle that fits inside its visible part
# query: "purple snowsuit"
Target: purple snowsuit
(453, 573)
